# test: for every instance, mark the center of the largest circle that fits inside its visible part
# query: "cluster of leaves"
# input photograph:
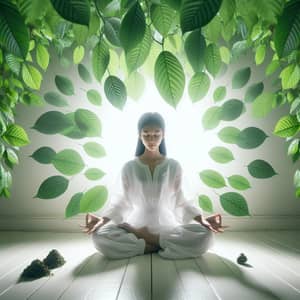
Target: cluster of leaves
(173, 40)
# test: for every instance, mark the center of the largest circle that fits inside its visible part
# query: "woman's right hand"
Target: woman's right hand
(93, 222)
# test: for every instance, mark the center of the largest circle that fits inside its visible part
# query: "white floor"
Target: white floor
(274, 273)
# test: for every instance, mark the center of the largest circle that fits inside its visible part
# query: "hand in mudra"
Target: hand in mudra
(215, 223)
(92, 222)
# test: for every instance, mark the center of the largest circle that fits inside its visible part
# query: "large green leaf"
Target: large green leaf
(241, 77)
(169, 77)
(221, 155)
(211, 117)
(212, 59)
(73, 207)
(100, 59)
(55, 99)
(75, 11)
(212, 178)
(199, 86)
(94, 97)
(253, 91)
(44, 155)
(15, 135)
(52, 122)
(115, 91)
(231, 109)
(111, 30)
(235, 204)
(261, 169)
(205, 203)
(133, 27)
(31, 76)
(14, 34)
(94, 174)
(84, 74)
(287, 30)
(162, 16)
(287, 126)
(194, 47)
(137, 55)
(88, 122)
(68, 162)
(251, 137)
(64, 85)
(52, 187)
(196, 14)
(239, 182)
(93, 199)
(229, 134)
(94, 149)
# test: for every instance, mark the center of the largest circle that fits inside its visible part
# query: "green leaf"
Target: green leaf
(55, 99)
(297, 179)
(11, 156)
(64, 85)
(133, 27)
(94, 174)
(219, 93)
(290, 76)
(212, 59)
(94, 97)
(88, 122)
(199, 86)
(295, 106)
(195, 14)
(52, 122)
(78, 54)
(162, 17)
(251, 137)
(52, 187)
(221, 155)
(287, 126)
(42, 56)
(115, 91)
(31, 76)
(229, 135)
(287, 30)
(272, 67)
(100, 59)
(94, 149)
(261, 169)
(239, 182)
(80, 34)
(212, 178)
(253, 91)
(111, 31)
(75, 11)
(137, 55)
(13, 62)
(293, 147)
(231, 110)
(14, 34)
(169, 78)
(68, 162)
(240, 78)
(225, 55)
(44, 155)
(194, 47)
(73, 207)
(211, 117)
(72, 131)
(260, 54)
(84, 74)
(235, 204)
(205, 203)
(15, 135)
(135, 84)
(263, 105)
(93, 199)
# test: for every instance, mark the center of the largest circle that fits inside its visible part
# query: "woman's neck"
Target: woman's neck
(151, 155)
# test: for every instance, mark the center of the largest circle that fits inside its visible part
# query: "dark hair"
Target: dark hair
(150, 118)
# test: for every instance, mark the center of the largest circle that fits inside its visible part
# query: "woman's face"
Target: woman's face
(151, 137)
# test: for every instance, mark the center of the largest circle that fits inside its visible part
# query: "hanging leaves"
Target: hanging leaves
(111, 30)
(55, 99)
(115, 91)
(64, 85)
(251, 137)
(221, 155)
(44, 155)
(287, 126)
(88, 122)
(261, 169)
(212, 178)
(253, 91)
(235, 204)
(93, 199)
(84, 74)
(231, 109)
(94, 149)
(212, 59)
(205, 203)
(198, 86)
(211, 117)
(100, 59)
(73, 207)
(239, 182)
(52, 187)
(240, 78)
(219, 93)
(229, 135)
(94, 174)
(15, 135)
(94, 97)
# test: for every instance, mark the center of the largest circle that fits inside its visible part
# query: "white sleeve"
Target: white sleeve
(119, 205)
(185, 211)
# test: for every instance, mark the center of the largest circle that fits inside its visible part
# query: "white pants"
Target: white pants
(183, 241)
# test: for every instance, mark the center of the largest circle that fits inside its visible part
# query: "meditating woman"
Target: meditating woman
(151, 213)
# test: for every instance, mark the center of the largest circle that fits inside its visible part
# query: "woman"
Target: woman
(153, 205)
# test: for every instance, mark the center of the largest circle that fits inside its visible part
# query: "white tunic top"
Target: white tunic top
(157, 202)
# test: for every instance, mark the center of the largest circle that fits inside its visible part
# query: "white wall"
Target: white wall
(271, 202)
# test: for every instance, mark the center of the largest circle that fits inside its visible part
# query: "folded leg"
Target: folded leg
(185, 241)
(115, 242)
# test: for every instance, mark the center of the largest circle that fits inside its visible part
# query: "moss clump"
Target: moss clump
(36, 269)
(54, 259)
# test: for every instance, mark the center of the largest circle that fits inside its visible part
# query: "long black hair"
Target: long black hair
(150, 118)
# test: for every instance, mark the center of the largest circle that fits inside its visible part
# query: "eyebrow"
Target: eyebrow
(151, 130)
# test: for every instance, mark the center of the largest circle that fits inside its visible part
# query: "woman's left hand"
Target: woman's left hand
(213, 222)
